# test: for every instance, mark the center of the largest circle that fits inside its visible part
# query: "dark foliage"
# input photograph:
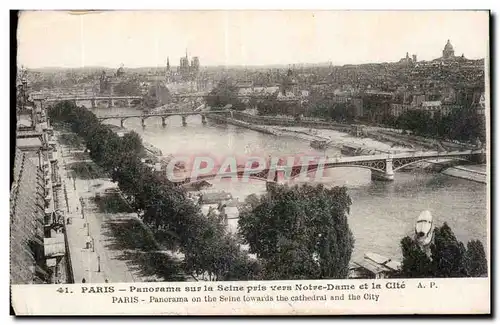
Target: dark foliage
(448, 257)
(303, 227)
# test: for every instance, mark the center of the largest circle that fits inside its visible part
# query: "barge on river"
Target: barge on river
(319, 144)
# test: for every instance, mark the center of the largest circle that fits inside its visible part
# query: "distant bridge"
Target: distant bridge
(163, 115)
(382, 166)
(245, 96)
(94, 99)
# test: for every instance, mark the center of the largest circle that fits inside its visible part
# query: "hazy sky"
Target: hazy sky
(146, 38)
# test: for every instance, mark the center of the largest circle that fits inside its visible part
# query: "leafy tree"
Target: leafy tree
(461, 124)
(132, 142)
(303, 227)
(447, 253)
(416, 264)
(446, 257)
(475, 261)
(326, 107)
(225, 93)
(268, 105)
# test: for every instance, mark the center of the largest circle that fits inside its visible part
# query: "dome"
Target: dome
(448, 46)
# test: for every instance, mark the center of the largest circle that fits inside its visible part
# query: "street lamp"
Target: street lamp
(98, 263)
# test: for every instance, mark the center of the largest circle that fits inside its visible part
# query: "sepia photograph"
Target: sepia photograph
(229, 149)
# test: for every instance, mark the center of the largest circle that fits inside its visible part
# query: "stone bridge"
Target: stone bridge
(163, 115)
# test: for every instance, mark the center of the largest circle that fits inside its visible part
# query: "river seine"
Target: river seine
(382, 213)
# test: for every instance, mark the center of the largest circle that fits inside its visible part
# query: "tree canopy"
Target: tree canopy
(447, 258)
(129, 87)
(300, 232)
(461, 124)
(225, 93)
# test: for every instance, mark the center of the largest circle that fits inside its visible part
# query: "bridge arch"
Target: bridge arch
(296, 174)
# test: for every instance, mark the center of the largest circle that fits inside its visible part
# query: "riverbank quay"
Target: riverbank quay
(237, 122)
(289, 121)
(476, 173)
(333, 138)
(310, 130)
(272, 130)
(409, 141)
(386, 134)
(107, 241)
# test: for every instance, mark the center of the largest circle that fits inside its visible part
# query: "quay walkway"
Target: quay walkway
(98, 261)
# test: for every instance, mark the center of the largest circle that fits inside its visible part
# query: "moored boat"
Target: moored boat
(424, 228)
(319, 144)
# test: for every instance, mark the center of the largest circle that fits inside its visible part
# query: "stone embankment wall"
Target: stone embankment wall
(284, 121)
(467, 173)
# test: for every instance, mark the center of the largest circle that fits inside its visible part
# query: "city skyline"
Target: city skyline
(245, 38)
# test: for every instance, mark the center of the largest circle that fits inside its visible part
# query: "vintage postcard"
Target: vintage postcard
(251, 163)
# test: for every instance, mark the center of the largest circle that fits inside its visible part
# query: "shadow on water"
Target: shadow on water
(140, 251)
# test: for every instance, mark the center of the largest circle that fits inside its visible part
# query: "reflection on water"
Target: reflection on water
(382, 212)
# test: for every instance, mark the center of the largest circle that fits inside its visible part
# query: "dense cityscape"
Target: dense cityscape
(91, 200)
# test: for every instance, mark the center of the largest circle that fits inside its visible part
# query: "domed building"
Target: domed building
(448, 52)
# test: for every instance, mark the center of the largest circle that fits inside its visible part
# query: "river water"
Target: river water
(382, 213)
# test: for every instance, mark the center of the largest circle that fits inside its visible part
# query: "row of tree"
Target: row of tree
(328, 109)
(462, 124)
(208, 249)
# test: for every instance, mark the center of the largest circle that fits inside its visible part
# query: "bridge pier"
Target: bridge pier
(143, 122)
(272, 184)
(92, 103)
(122, 121)
(184, 123)
(203, 119)
(387, 176)
(111, 103)
(163, 121)
(129, 102)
